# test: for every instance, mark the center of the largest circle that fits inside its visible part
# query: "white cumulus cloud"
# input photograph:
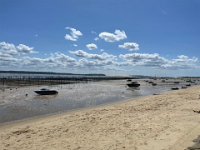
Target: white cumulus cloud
(103, 56)
(11, 49)
(138, 59)
(131, 46)
(24, 48)
(91, 46)
(74, 34)
(113, 37)
(95, 63)
(155, 60)
(182, 62)
(19, 56)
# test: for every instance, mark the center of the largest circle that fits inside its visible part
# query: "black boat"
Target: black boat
(176, 82)
(174, 88)
(129, 80)
(150, 82)
(46, 92)
(188, 85)
(133, 84)
(154, 84)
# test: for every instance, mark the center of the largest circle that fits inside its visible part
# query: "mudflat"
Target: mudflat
(169, 121)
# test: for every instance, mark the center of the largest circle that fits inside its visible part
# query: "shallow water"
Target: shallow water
(15, 105)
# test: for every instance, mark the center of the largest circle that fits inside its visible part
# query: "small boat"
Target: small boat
(176, 82)
(188, 85)
(154, 84)
(129, 80)
(156, 94)
(174, 88)
(133, 84)
(46, 92)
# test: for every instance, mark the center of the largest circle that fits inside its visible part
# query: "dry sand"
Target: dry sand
(160, 122)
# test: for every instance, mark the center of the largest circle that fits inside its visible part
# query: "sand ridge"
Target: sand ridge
(159, 122)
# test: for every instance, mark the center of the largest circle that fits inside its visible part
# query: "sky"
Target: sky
(115, 37)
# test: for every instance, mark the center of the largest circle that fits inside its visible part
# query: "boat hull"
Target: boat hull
(52, 92)
(133, 85)
(175, 88)
(154, 84)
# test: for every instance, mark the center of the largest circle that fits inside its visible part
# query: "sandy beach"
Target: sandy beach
(169, 121)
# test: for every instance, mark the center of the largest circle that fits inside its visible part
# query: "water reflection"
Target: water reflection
(15, 104)
(133, 88)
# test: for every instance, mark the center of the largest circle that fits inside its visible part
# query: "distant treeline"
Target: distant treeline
(190, 77)
(155, 77)
(149, 77)
(49, 73)
(53, 79)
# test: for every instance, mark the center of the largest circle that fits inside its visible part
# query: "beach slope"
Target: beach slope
(160, 122)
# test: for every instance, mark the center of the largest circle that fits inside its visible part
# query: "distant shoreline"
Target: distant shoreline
(50, 73)
(90, 74)
(24, 78)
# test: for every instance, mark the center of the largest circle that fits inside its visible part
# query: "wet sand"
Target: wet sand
(22, 102)
(159, 122)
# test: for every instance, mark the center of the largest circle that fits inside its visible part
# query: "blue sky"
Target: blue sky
(150, 37)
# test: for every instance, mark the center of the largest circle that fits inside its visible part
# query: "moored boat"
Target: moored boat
(133, 84)
(129, 80)
(176, 82)
(154, 84)
(188, 85)
(174, 88)
(46, 92)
